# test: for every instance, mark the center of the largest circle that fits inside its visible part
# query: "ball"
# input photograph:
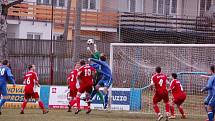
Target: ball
(90, 41)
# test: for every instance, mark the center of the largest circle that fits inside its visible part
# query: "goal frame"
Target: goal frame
(146, 45)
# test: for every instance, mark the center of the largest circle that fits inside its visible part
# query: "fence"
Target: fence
(23, 52)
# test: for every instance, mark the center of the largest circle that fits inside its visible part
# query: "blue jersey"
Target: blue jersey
(5, 75)
(210, 85)
(105, 69)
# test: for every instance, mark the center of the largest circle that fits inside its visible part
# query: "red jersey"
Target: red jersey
(176, 87)
(72, 78)
(30, 79)
(159, 80)
(86, 74)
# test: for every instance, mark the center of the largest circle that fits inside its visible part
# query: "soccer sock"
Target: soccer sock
(100, 96)
(88, 103)
(167, 107)
(2, 102)
(211, 116)
(172, 110)
(181, 110)
(93, 94)
(24, 105)
(41, 105)
(72, 102)
(106, 99)
(206, 108)
(78, 99)
(156, 108)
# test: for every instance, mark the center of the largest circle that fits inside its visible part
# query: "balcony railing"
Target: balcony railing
(166, 23)
(44, 13)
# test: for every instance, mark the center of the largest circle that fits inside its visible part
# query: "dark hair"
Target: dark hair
(30, 66)
(5, 62)
(103, 57)
(158, 69)
(82, 62)
(212, 68)
(174, 76)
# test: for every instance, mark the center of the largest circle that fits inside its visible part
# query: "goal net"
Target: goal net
(134, 64)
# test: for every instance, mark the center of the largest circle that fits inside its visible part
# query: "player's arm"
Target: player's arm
(99, 62)
(172, 86)
(10, 76)
(209, 85)
(37, 80)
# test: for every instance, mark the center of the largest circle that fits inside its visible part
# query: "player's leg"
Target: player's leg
(41, 105)
(172, 110)
(210, 109)
(165, 97)
(107, 84)
(25, 101)
(88, 102)
(78, 99)
(3, 91)
(73, 94)
(156, 99)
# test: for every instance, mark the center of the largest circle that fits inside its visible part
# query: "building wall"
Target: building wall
(33, 27)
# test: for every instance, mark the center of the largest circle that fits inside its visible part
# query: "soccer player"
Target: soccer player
(98, 76)
(5, 73)
(85, 77)
(159, 81)
(106, 80)
(30, 81)
(179, 96)
(72, 81)
(211, 87)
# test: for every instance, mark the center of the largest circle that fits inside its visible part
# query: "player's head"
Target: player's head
(77, 65)
(158, 69)
(5, 62)
(174, 76)
(103, 57)
(31, 67)
(212, 69)
(82, 62)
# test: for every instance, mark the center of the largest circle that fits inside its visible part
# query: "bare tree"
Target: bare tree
(3, 26)
(77, 36)
(66, 25)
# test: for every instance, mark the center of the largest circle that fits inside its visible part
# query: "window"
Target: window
(57, 3)
(135, 5)
(61, 3)
(205, 6)
(46, 2)
(90, 4)
(165, 7)
(132, 5)
(39, 2)
(30, 36)
(33, 35)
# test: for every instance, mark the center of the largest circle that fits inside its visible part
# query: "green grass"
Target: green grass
(62, 115)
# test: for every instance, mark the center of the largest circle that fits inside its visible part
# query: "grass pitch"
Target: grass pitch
(63, 115)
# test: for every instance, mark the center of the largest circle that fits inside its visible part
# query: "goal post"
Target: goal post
(133, 64)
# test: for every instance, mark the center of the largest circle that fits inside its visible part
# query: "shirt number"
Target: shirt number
(88, 72)
(28, 81)
(2, 71)
(161, 82)
(72, 79)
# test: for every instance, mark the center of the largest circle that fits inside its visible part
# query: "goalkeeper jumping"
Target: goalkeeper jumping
(99, 75)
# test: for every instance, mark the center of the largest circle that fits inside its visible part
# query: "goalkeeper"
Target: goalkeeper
(99, 75)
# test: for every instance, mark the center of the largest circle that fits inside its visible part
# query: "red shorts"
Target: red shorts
(73, 92)
(158, 97)
(34, 95)
(85, 88)
(178, 100)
